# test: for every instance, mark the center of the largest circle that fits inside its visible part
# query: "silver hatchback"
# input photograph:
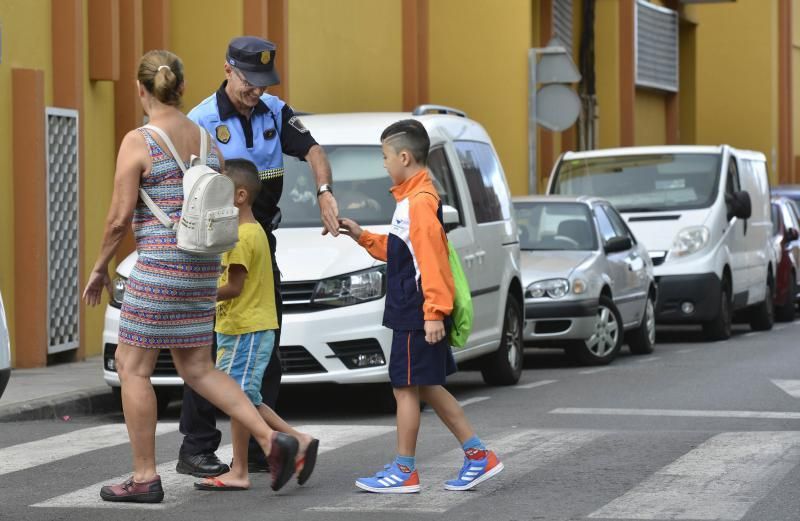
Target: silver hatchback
(588, 282)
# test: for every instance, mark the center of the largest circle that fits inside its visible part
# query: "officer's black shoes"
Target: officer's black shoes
(201, 465)
(256, 460)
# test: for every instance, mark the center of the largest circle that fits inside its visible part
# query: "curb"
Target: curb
(89, 401)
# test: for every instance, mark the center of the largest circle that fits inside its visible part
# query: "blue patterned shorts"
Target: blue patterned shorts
(245, 358)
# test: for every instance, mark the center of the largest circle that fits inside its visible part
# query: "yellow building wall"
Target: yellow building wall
(650, 122)
(479, 63)
(796, 83)
(737, 75)
(202, 46)
(345, 56)
(26, 43)
(606, 53)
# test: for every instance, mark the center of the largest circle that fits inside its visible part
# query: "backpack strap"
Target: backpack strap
(157, 212)
(170, 146)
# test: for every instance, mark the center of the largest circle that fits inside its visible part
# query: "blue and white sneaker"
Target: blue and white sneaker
(393, 479)
(475, 471)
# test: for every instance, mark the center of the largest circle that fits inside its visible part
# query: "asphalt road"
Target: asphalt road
(695, 431)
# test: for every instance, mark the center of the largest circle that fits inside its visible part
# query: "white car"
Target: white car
(703, 212)
(333, 291)
(5, 349)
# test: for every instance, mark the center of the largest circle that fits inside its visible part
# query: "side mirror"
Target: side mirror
(450, 218)
(791, 234)
(616, 244)
(739, 205)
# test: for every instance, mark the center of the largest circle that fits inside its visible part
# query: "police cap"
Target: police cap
(255, 58)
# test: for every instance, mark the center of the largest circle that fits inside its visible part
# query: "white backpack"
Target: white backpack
(209, 221)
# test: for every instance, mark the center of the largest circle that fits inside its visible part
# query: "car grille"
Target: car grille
(297, 296)
(164, 364)
(297, 360)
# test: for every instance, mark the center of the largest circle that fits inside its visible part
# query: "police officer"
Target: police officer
(251, 124)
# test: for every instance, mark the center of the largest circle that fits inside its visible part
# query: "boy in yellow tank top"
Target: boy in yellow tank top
(245, 327)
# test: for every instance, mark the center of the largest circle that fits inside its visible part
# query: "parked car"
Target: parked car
(5, 349)
(703, 213)
(334, 291)
(790, 191)
(588, 281)
(785, 236)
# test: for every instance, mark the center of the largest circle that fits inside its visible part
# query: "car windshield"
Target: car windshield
(360, 183)
(555, 226)
(644, 183)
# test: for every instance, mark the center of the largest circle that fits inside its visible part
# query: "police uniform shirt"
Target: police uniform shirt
(271, 131)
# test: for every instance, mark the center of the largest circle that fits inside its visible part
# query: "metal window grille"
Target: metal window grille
(656, 47)
(63, 291)
(562, 22)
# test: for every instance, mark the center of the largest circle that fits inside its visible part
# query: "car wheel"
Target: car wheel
(762, 317)
(720, 327)
(504, 366)
(606, 340)
(785, 312)
(642, 340)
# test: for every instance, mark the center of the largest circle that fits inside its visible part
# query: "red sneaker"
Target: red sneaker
(130, 491)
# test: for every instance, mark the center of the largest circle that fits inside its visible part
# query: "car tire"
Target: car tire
(762, 315)
(786, 311)
(504, 366)
(163, 399)
(719, 328)
(603, 346)
(642, 340)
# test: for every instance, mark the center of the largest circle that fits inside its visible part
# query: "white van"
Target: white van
(333, 291)
(703, 212)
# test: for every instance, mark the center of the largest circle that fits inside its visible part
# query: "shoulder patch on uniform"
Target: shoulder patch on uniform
(298, 125)
(223, 134)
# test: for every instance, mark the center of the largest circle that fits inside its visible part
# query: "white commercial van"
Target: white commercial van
(703, 212)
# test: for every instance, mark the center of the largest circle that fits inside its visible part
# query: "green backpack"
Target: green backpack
(462, 314)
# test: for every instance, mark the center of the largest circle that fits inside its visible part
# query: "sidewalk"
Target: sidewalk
(56, 391)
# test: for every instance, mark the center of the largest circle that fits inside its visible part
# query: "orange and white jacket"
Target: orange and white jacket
(419, 281)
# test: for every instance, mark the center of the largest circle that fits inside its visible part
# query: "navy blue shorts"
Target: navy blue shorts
(413, 361)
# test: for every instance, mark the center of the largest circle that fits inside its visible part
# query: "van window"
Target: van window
(643, 183)
(361, 184)
(732, 184)
(490, 197)
(442, 177)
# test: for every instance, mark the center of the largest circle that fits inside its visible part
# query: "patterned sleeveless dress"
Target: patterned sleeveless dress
(170, 297)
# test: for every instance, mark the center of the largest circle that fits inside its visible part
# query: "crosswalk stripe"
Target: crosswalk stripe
(721, 479)
(690, 413)
(47, 450)
(179, 488)
(520, 452)
(790, 387)
(535, 384)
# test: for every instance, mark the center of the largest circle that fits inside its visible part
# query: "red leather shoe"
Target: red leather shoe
(130, 491)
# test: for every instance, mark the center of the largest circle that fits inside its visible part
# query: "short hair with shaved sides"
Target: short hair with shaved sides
(410, 135)
(244, 174)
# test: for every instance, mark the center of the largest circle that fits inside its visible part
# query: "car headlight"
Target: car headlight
(118, 291)
(553, 288)
(689, 240)
(353, 288)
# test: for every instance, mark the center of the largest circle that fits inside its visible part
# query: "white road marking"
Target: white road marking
(535, 384)
(689, 350)
(596, 370)
(47, 450)
(770, 415)
(648, 359)
(790, 387)
(520, 453)
(179, 488)
(474, 399)
(720, 480)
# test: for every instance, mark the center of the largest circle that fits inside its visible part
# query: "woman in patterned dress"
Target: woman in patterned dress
(170, 298)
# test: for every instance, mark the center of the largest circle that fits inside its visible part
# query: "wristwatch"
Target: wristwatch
(325, 187)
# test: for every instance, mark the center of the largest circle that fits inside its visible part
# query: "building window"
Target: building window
(656, 47)
(562, 22)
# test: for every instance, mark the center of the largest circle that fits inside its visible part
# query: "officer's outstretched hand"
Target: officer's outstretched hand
(350, 228)
(329, 212)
